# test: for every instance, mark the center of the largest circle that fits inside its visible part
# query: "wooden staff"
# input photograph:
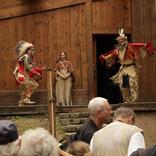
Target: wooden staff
(51, 103)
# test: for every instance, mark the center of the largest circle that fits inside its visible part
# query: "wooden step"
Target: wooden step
(72, 109)
(12, 98)
(23, 110)
(71, 128)
(73, 117)
(42, 108)
(139, 106)
(72, 121)
(136, 106)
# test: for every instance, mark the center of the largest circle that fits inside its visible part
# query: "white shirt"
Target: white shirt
(136, 141)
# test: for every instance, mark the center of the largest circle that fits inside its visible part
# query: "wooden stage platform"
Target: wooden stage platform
(42, 109)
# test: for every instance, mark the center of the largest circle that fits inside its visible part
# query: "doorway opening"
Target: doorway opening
(104, 85)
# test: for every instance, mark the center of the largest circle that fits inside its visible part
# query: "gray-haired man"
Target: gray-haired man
(99, 113)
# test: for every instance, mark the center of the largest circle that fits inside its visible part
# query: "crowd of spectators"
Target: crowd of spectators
(101, 135)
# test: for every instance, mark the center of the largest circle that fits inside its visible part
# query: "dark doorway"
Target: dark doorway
(105, 87)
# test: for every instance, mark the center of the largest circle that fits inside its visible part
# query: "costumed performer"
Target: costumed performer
(128, 55)
(64, 80)
(26, 73)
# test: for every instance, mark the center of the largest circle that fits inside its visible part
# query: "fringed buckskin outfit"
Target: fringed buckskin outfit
(26, 74)
(127, 54)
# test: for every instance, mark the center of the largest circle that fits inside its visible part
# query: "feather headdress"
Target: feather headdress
(121, 36)
(21, 47)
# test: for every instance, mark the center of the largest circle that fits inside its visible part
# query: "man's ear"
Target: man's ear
(97, 112)
(131, 119)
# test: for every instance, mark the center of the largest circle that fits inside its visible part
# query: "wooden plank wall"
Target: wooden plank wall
(143, 30)
(69, 25)
(50, 32)
(53, 26)
(110, 15)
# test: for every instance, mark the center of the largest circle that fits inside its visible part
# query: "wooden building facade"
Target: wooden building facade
(82, 28)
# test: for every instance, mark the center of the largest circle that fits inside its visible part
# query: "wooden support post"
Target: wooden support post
(51, 103)
(91, 87)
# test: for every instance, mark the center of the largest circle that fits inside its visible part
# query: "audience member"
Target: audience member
(151, 151)
(99, 113)
(79, 148)
(9, 138)
(34, 142)
(119, 138)
(38, 142)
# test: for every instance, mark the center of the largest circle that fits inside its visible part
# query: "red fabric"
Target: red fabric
(148, 46)
(34, 71)
(113, 53)
(102, 59)
(21, 78)
(138, 44)
(21, 69)
(132, 52)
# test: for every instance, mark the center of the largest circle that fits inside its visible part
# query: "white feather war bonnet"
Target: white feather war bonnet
(21, 48)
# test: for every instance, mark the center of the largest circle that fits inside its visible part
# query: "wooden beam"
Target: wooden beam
(127, 30)
(51, 104)
(12, 3)
(90, 49)
(40, 6)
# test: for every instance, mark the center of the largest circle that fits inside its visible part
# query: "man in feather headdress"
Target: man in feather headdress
(128, 54)
(26, 74)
